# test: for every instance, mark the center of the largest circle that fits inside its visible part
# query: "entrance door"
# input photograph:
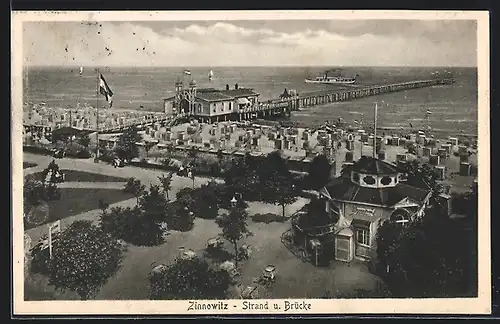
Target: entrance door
(344, 246)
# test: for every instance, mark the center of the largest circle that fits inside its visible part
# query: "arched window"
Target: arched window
(400, 216)
(386, 180)
(369, 180)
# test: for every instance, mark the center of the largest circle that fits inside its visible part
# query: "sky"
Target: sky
(252, 43)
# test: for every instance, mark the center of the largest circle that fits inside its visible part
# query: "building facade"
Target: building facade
(209, 104)
(373, 192)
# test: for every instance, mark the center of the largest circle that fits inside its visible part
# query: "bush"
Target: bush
(83, 154)
(180, 217)
(107, 156)
(130, 226)
(266, 218)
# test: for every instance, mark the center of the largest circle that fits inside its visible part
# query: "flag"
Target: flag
(187, 72)
(105, 90)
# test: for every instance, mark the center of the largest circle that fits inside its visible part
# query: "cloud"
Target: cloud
(230, 44)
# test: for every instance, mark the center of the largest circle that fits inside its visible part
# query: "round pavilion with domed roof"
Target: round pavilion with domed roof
(366, 196)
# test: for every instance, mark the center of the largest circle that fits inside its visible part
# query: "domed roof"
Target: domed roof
(192, 83)
(369, 165)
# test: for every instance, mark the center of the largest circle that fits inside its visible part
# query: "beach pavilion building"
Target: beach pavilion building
(371, 193)
(211, 105)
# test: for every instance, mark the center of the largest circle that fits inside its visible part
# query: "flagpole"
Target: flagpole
(97, 118)
(375, 133)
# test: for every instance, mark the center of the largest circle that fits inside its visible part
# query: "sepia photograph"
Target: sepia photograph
(251, 162)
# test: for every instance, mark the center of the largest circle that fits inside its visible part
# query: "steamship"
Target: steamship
(335, 79)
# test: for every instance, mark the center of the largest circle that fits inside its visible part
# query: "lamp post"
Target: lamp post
(233, 202)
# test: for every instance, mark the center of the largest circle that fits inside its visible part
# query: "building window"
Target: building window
(363, 236)
(369, 180)
(230, 106)
(386, 181)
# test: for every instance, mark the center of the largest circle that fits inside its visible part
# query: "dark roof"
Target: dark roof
(213, 96)
(69, 131)
(370, 165)
(241, 92)
(345, 189)
(203, 90)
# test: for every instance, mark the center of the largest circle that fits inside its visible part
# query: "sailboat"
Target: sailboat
(210, 75)
(81, 70)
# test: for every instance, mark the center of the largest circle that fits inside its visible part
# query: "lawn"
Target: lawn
(82, 176)
(27, 165)
(75, 201)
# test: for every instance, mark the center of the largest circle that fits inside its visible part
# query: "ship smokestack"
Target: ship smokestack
(236, 86)
(227, 86)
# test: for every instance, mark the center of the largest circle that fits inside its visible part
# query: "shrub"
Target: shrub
(266, 218)
(129, 225)
(180, 217)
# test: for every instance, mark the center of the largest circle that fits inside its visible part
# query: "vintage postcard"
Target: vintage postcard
(251, 162)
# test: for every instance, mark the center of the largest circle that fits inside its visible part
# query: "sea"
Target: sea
(453, 108)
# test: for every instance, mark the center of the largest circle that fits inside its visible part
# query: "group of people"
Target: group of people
(186, 171)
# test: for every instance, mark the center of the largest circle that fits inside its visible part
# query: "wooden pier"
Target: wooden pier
(284, 106)
(325, 97)
(276, 107)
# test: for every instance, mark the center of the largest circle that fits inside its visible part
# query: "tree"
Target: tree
(126, 147)
(234, 227)
(430, 257)
(319, 171)
(166, 183)
(205, 203)
(84, 257)
(189, 279)
(192, 155)
(154, 204)
(84, 141)
(148, 146)
(242, 176)
(135, 187)
(276, 181)
(423, 175)
(51, 192)
(180, 216)
(220, 161)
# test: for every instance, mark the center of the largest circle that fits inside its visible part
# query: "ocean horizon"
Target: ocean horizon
(453, 107)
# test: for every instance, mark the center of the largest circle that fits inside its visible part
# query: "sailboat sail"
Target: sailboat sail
(81, 70)
(210, 75)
